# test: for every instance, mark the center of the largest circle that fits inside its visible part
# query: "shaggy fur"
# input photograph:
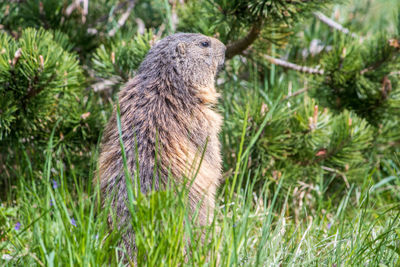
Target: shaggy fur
(171, 97)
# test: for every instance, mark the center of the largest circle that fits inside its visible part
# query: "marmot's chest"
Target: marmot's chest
(209, 130)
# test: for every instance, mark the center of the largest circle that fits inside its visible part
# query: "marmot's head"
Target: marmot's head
(190, 57)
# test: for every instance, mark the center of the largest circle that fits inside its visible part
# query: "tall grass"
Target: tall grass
(56, 221)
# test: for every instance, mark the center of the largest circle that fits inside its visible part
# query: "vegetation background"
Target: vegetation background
(311, 105)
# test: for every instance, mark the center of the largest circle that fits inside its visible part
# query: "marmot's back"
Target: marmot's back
(166, 109)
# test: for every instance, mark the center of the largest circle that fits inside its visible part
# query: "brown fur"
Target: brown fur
(171, 97)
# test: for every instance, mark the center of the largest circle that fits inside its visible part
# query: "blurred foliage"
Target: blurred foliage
(86, 26)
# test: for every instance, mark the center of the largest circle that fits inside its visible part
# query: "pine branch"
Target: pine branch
(32, 92)
(333, 24)
(239, 46)
(123, 18)
(17, 55)
(338, 173)
(77, 5)
(104, 18)
(305, 89)
(394, 73)
(289, 65)
(43, 17)
(106, 84)
(107, 16)
(374, 66)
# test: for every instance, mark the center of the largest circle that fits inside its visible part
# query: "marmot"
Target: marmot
(167, 109)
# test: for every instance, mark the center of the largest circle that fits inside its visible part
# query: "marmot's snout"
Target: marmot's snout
(220, 49)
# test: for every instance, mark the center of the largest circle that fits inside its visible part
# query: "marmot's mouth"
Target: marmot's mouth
(221, 66)
(221, 63)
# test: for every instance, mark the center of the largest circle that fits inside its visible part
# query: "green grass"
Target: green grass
(61, 223)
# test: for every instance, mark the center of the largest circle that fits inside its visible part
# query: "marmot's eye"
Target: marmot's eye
(205, 44)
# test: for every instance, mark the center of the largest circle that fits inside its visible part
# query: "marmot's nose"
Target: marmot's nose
(223, 48)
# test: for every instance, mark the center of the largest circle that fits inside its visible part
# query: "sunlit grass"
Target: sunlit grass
(55, 220)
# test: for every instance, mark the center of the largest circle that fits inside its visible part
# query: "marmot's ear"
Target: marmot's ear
(181, 48)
